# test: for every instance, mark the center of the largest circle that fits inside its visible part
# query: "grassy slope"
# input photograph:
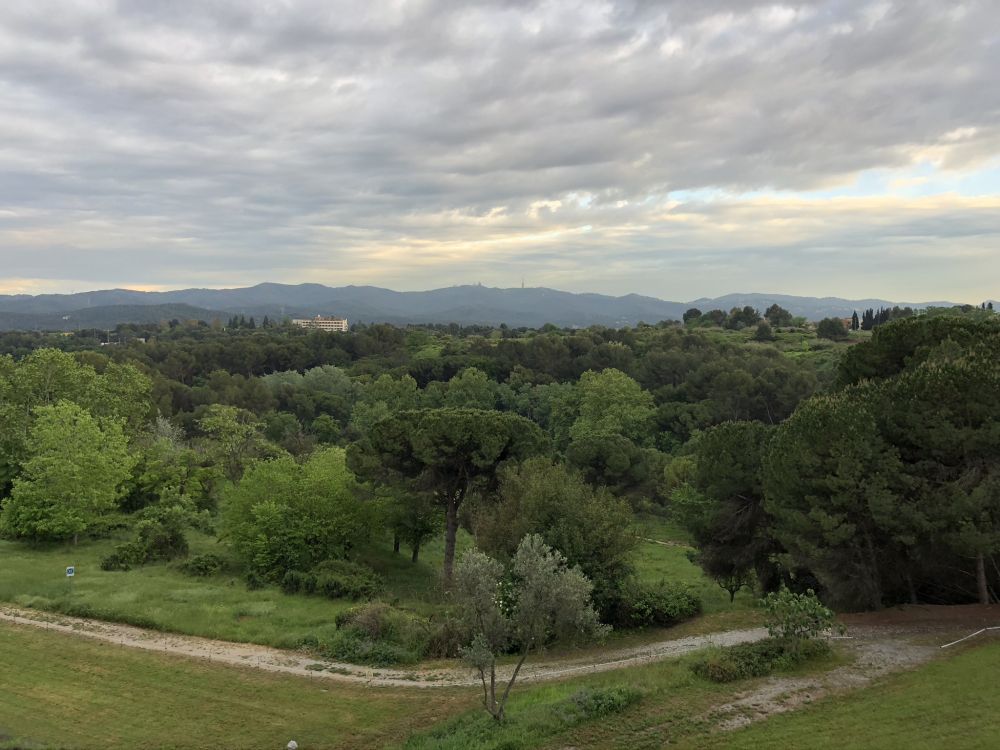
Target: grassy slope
(61, 691)
(222, 607)
(217, 607)
(952, 704)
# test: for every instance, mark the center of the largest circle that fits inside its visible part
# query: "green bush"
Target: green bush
(659, 605)
(801, 616)
(125, 557)
(592, 703)
(376, 634)
(334, 579)
(757, 659)
(202, 566)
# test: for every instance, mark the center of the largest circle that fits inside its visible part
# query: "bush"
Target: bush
(125, 557)
(593, 703)
(376, 634)
(660, 605)
(202, 566)
(334, 579)
(800, 616)
(758, 659)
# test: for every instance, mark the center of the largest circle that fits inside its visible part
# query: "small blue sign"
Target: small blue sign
(70, 571)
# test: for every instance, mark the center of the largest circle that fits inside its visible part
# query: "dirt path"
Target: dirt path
(292, 662)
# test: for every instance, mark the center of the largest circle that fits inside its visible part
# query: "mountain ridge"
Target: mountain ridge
(462, 304)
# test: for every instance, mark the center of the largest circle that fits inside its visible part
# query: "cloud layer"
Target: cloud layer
(670, 148)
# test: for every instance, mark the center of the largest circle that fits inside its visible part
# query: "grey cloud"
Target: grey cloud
(276, 137)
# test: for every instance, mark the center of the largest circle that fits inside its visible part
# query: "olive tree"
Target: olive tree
(535, 601)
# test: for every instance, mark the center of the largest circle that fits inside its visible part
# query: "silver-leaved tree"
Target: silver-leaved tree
(537, 601)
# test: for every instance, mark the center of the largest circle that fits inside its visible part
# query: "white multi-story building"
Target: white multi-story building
(322, 323)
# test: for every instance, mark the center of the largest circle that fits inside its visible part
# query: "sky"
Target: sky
(672, 148)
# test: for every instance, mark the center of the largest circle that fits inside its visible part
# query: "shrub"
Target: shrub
(334, 579)
(125, 557)
(658, 605)
(593, 703)
(757, 659)
(202, 566)
(796, 616)
(377, 634)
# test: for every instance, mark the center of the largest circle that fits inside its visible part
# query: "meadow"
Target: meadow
(221, 606)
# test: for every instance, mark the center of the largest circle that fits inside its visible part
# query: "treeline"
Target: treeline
(885, 490)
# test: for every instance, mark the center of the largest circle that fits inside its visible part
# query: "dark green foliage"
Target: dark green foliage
(125, 557)
(447, 452)
(379, 635)
(592, 528)
(746, 660)
(763, 332)
(202, 566)
(778, 316)
(593, 703)
(334, 579)
(658, 605)
(831, 328)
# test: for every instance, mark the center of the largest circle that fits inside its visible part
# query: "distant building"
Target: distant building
(322, 323)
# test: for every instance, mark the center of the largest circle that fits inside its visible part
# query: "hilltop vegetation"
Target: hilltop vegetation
(323, 491)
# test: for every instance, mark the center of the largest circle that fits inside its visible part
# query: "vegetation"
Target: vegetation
(259, 483)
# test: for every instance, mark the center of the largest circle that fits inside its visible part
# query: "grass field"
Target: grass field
(67, 692)
(220, 606)
(953, 703)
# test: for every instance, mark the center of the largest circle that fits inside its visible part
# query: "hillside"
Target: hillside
(459, 304)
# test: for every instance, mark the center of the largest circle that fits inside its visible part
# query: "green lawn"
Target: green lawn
(68, 692)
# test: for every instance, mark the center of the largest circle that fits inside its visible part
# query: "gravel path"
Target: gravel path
(292, 662)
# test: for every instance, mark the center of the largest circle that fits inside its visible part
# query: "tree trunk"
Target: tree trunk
(912, 588)
(984, 591)
(76, 538)
(395, 543)
(416, 551)
(451, 530)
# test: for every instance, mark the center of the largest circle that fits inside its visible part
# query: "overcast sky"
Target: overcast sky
(672, 148)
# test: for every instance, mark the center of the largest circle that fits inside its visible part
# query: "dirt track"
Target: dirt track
(882, 642)
(292, 662)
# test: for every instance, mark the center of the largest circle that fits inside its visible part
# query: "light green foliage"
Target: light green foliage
(613, 403)
(538, 601)
(235, 436)
(381, 398)
(72, 476)
(796, 616)
(47, 376)
(473, 389)
(285, 516)
(591, 527)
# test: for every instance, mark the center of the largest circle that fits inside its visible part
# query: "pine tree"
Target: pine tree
(855, 323)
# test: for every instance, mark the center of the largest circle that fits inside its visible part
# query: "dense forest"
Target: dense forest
(864, 467)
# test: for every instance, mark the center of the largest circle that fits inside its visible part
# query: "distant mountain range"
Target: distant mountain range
(465, 305)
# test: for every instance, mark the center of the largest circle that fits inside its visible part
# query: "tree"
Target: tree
(722, 506)
(591, 527)
(831, 328)
(539, 600)
(692, 314)
(778, 316)
(236, 437)
(763, 332)
(284, 516)
(447, 452)
(72, 477)
(855, 323)
(829, 486)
